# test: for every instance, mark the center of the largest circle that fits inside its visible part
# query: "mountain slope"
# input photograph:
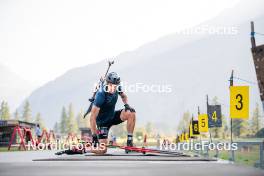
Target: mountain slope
(12, 88)
(193, 65)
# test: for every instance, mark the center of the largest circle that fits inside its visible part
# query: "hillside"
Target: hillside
(194, 65)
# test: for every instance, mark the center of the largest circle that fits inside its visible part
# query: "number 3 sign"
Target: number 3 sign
(239, 102)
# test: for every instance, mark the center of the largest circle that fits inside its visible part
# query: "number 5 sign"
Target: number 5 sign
(203, 122)
(239, 102)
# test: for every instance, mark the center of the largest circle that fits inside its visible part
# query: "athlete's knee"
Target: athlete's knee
(127, 114)
(132, 115)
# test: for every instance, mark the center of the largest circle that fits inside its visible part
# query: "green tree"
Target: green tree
(215, 131)
(82, 122)
(184, 122)
(149, 128)
(16, 115)
(245, 129)
(63, 122)
(72, 125)
(56, 128)
(4, 111)
(255, 121)
(237, 127)
(27, 112)
(139, 133)
(39, 120)
(225, 128)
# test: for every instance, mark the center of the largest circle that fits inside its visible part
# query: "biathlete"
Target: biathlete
(104, 116)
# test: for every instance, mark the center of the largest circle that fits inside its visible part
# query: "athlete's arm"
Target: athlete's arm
(124, 97)
(94, 113)
(125, 101)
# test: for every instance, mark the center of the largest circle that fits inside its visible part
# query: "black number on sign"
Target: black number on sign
(195, 127)
(214, 117)
(239, 101)
(203, 122)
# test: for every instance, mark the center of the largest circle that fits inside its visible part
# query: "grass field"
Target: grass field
(5, 149)
(248, 158)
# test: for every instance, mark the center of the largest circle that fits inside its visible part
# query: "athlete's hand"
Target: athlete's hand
(128, 108)
(95, 140)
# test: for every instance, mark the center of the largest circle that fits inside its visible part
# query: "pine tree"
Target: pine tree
(16, 115)
(184, 122)
(215, 131)
(39, 120)
(72, 126)
(27, 112)
(149, 128)
(82, 122)
(56, 128)
(237, 127)
(255, 122)
(4, 111)
(245, 129)
(225, 129)
(63, 122)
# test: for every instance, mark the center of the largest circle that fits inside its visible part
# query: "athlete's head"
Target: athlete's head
(112, 80)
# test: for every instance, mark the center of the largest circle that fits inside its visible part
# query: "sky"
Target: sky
(42, 39)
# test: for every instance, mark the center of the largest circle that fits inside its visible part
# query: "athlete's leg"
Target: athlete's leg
(130, 117)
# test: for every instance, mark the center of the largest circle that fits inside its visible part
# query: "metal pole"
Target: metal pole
(253, 41)
(231, 120)
(261, 160)
(207, 105)
(200, 132)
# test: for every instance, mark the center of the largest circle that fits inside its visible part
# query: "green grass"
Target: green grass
(12, 149)
(248, 158)
(241, 157)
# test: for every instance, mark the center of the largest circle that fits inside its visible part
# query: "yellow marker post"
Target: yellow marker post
(203, 123)
(190, 130)
(187, 137)
(182, 137)
(239, 102)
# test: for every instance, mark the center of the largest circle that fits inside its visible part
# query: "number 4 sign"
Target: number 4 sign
(214, 116)
(239, 102)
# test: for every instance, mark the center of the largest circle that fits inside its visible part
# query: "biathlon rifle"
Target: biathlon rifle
(97, 88)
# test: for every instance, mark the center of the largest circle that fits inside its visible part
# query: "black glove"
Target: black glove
(95, 140)
(128, 108)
